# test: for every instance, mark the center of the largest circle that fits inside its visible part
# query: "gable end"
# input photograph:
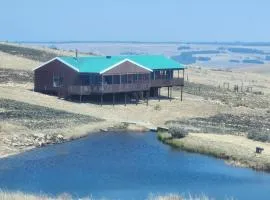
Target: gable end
(60, 60)
(126, 66)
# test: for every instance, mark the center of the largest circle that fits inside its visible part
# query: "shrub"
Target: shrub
(259, 135)
(157, 107)
(258, 93)
(177, 131)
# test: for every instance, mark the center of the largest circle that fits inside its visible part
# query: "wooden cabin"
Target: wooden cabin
(100, 75)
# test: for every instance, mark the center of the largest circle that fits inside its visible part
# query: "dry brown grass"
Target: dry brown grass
(259, 81)
(238, 150)
(263, 70)
(15, 62)
(190, 107)
(8, 131)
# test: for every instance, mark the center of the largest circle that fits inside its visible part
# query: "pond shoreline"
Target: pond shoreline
(98, 128)
(224, 147)
(217, 151)
(103, 153)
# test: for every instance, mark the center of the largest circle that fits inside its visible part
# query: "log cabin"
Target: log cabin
(139, 76)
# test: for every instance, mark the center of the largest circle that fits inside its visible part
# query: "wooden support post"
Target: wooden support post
(159, 94)
(125, 99)
(171, 94)
(168, 92)
(183, 74)
(101, 99)
(147, 97)
(80, 94)
(137, 98)
(113, 99)
(181, 93)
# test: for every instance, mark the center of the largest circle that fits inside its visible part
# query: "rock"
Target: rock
(29, 144)
(48, 137)
(40, 144)
(15, 144)
(60, 137)
(38, 135)
(36, 140)
(7, 141)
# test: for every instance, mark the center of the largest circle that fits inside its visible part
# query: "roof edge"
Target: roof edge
(60, 60)
(122, 61)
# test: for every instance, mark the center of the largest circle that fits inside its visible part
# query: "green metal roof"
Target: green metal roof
(97, 64)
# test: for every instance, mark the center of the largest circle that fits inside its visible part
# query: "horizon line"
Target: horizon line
(253, 43)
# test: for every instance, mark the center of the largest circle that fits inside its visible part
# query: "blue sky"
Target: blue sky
(137, 20)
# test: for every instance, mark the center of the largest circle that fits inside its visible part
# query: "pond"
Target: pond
(127, 166)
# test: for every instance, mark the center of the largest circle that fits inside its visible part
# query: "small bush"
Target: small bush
(258, 93)
(157, 107)
(122, 125)
(177, 131)
(259, 135)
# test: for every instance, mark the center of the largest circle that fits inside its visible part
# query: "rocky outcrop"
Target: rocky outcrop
(36, 140)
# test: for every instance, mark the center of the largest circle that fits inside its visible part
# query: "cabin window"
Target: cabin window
(57, 80)
(130, 78)
(107, 79)
(116, 79)
(95, 79)
(84, 79)
(153, 75)
(123, 79)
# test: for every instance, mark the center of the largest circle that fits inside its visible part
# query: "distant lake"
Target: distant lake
(204, 55)
(127, 166)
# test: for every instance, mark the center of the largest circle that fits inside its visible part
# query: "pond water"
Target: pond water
(127, 166)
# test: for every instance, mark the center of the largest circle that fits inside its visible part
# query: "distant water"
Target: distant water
(127, 166)
(217, 55)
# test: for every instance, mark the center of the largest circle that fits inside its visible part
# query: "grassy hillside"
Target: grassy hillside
(26, 52)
